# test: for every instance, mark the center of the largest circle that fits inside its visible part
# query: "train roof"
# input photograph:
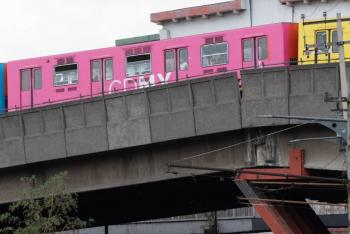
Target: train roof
(136, 40)
(140, 41)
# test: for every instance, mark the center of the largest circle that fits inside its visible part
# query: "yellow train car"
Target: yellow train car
(318, 41)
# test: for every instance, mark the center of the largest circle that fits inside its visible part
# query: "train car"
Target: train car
(318, 41)
(58, 78)
(3, 91)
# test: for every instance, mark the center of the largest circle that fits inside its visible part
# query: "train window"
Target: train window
(321, 42)
(183, 54)
(96, 70)
(248, 50)
(108, 67)
(335, 47)
(262, 48)
(138, 65)
(66, 75)
(169, 60)
(214, 54)
(25, 80)
(37, 78)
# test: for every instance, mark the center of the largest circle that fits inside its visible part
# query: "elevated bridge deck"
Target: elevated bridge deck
(112, 142)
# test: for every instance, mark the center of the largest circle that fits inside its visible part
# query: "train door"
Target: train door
(254, 52)
(31, 83)
(176, 63)
(101, 76)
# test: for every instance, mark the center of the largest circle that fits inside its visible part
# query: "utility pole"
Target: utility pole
(344, 93)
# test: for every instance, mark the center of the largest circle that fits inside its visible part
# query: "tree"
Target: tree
(46, 208)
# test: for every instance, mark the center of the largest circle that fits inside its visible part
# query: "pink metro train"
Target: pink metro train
(42, 81)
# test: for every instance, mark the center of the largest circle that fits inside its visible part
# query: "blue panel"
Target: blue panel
(2, 87)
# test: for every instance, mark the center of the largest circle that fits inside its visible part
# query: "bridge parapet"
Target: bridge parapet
(298, 91)
(185, 109)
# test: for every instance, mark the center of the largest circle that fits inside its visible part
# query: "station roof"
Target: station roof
(234, 6)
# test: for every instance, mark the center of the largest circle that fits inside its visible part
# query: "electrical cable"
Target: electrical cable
(241, 143)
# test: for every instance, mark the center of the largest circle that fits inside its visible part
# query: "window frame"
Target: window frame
(251, 39)
(29, 80)
(179, 59)
(165, 60)
(92, 70)
(41, 78)
(337, 46)
(104, 68)
(227, 54)
(316, 45)
(257, 48)
(54, 74)
(126, 65)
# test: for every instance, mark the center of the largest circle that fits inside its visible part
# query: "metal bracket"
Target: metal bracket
(328, 98)
(336, 125)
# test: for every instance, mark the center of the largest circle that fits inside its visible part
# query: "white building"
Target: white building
(243, 13)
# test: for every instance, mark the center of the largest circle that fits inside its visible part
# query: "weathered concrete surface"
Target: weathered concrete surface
(191, 226)
(294, 91)
(148, 164)
(98, 230)
(184, 227)
(169, 112)
(128, 138)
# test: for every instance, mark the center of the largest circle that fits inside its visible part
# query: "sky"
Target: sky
(31, 28)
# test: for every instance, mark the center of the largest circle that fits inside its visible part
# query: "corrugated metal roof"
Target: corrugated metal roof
(290, 2)
(205, 10)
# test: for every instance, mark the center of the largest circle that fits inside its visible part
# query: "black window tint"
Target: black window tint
(37, 78)
(321, 42)
(335, 47)
(247, 50)
(169, 61)
(183, 55)
(25, 80)
(262, 48)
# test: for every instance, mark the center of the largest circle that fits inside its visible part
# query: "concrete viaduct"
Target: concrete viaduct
(116, 147)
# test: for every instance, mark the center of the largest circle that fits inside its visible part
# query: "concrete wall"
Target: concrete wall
(159, 114)
(295, 91)
(176, 111)
(262, 12)
(105, 132)
(98, 230)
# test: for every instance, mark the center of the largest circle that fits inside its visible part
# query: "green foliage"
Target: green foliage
(46, 208)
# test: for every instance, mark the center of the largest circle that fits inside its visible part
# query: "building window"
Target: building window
(96, 70)
(262, 48)
(169, 60)
(335, 47)
(37, 78)
(138, 65)
(108, 67)
(183, 54)
(66, 75)
(25, 80)
(214, 54)
(248, 50)
(321, 42)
